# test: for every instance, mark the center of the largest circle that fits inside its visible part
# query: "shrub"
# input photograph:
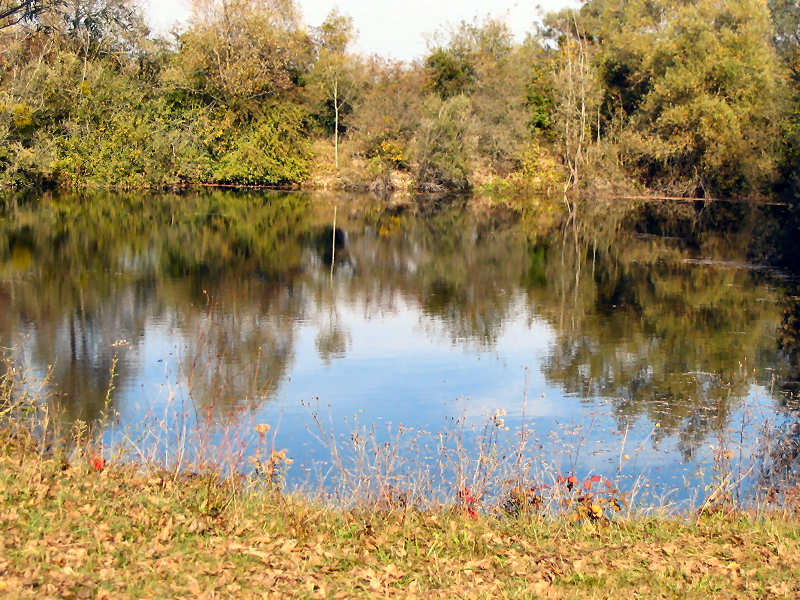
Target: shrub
(274, 150)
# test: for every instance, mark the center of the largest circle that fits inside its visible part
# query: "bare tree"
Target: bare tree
(332, 73)
(575, 87)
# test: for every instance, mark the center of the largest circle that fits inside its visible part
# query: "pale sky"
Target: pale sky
(388, 27)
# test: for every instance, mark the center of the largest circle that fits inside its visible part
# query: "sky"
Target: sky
(392, 29)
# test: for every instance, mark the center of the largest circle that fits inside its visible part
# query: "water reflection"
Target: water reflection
(234, 293)
(677, 342)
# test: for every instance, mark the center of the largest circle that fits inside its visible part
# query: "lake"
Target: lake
(634, 345)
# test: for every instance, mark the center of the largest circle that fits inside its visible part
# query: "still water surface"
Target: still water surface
(222, 308)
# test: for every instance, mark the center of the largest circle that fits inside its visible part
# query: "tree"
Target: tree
(444, 144)
(239, 52)
(479, 60)
(333, 71)
(693, 85)
(450, 72)
(386, 115)
(273, 150)
(575, 92)
(14, 12)
(96, 29)
(786, 23)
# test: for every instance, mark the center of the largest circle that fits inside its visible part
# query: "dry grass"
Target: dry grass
(75, 523)
(77, 527)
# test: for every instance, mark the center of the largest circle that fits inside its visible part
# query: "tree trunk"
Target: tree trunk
(336, 122)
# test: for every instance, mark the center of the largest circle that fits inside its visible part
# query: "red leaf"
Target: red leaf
(465, 495)
(596, 478)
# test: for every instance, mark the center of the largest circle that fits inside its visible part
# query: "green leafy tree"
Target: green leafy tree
(786, 22)
(694, 85)
(480, 60)
(450, 72)
(237, 53)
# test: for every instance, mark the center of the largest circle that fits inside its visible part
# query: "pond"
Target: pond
(634, 347)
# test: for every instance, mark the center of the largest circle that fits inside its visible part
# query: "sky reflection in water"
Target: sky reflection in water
(224, 308)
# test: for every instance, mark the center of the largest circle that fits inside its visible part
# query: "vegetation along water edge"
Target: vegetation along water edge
(606, 98)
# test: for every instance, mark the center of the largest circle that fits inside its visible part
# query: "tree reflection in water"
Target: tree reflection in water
(673, 329)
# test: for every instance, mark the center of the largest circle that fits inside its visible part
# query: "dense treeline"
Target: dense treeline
(696, 98)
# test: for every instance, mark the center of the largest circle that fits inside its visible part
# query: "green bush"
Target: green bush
(274, 150)
(696, 88)
(445, 144)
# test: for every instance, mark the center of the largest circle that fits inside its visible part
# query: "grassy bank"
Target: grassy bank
(81, 528)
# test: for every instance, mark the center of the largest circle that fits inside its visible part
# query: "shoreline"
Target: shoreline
(85, 527)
